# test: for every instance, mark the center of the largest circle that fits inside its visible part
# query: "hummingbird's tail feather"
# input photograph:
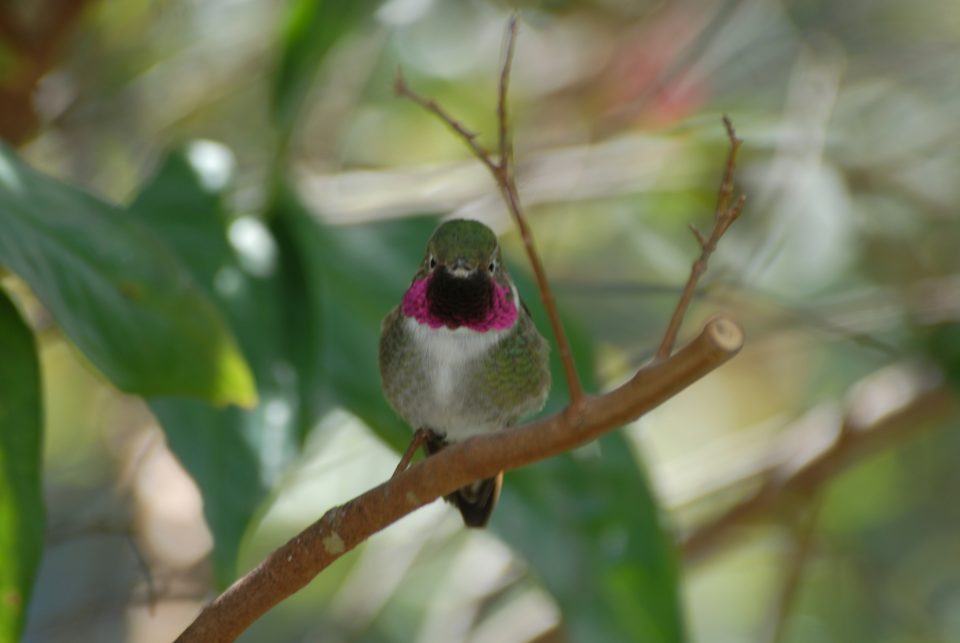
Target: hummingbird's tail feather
(476, 501)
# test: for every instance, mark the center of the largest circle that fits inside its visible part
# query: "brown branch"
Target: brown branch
(342, 528)
(503, 174)
(723, 217)
(401, 88)
(805, 474)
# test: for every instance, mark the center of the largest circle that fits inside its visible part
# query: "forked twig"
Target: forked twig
(723, 217)
(401, 88)
(503, 174)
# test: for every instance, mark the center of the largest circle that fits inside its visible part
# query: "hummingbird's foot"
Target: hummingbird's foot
(420, 437)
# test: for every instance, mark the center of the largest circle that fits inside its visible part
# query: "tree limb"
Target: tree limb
(342, 528)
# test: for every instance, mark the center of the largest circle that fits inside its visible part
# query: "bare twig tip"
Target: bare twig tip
(723, 217)
(725, 333)
(699, 235)
(399, 82)
(731, 132)
(737, 208)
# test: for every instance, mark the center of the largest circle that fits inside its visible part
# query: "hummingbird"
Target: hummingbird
(460, 356)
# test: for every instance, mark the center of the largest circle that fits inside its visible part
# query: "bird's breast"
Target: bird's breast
(450, 357)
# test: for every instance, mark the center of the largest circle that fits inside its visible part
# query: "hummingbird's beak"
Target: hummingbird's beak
(460, 267)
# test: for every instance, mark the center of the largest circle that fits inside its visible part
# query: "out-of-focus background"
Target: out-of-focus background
(803, 492)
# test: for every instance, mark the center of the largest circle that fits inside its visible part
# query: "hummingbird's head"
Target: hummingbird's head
(461, 281)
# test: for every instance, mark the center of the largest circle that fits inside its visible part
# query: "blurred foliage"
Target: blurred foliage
(21, 502)
(360, 268)
(227, 200)
(312, 28)
(234, 455)
(116, 291)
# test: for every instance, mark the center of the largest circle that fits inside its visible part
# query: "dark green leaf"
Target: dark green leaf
(234, 455)
(941, 343)
(302, 323)
(607, 562)
(312, 27)
(358, 274)
(21, 501)
(116, 291)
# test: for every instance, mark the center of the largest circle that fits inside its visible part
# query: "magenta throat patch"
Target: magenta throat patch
(478, 303)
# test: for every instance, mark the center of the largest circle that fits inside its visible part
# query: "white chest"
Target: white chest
(449, 356)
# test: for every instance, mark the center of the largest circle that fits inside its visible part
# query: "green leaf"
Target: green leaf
(590, 526)
(311, 28)
(235, 456)
(299, 316)
(21, 501)
(941, 344)
(357, 274)
(116, 290)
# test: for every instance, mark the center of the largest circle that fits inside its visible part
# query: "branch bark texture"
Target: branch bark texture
(342, 528)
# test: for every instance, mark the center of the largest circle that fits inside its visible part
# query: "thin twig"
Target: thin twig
(723, 217)
(511, 195)
(105, 528)
(726, 184)
(698, 235)
(509, 192)
(802, 538)
(147, 572)
(503, 173)
(295, 564)
(506, 143)
(401, 88)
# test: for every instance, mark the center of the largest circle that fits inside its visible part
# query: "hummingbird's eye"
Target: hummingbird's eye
(433, 262)
(493, 266)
